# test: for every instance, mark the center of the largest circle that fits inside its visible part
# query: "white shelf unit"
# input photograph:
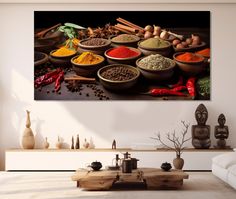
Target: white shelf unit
(52, 159)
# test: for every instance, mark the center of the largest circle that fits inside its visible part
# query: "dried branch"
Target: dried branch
(158, 138)
(175, 140)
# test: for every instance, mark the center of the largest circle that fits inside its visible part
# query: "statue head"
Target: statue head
(221, 119)
(201, 114)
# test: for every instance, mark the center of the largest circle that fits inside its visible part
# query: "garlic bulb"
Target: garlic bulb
(147, 35)
(157, 30)
(164, 34)
(175, 42)
(184, 43)
(179, 46)
(149, 28)
(189, 41)
(196, 39)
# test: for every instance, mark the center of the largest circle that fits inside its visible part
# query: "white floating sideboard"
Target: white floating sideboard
(68, 159)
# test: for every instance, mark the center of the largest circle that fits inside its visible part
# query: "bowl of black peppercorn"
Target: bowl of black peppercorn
(118, 77)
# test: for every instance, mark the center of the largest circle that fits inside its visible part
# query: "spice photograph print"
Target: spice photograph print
(122, 55)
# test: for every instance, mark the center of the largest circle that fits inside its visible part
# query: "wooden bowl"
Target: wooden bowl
(118, 85)
(87, 70)
(129, 60)
(165, 51)
(61, 61)
(44, 45)
(190, 68)
(156, 75)
(190, 48)
(40, 58)
(125, 43)
(99, 50)
(53, 35)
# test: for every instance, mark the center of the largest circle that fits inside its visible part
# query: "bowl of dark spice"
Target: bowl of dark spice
(118, 77)
(156, 67)
(122, 55)
(44, 45)
(125, 40)
(40, 58)
(87, 64)
(190, 63)
(155, 46)
(94, 45)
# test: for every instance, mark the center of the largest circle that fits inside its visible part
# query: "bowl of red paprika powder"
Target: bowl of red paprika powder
(190, 63)
(122, 55)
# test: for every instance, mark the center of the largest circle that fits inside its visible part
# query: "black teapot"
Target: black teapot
(96, 166)
(166, 166)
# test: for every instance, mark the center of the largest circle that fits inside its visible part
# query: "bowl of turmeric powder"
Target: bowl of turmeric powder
(87, 64)
(62, 56)
(190, 63)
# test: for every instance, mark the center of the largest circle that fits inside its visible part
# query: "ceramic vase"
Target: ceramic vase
(46, 143)
(77, 145)
(59, 143)
(86, 144)
(91, 144)
(178, 162)
(28, 140)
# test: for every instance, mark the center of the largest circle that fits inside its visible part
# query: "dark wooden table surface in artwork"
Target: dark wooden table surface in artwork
(95, 91)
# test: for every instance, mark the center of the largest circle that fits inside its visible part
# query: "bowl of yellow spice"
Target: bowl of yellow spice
(155, 46)
(62, 56)
(87, 64)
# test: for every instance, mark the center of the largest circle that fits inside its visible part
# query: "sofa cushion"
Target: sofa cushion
(231, 178)
(220, 172)
(225, 160)
(232, 169)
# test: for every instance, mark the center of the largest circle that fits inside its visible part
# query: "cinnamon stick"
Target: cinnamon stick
(130, 24)
(126, 28)
(80, 78)
(122, 30)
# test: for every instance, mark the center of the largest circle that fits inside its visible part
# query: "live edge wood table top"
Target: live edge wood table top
(150, 178)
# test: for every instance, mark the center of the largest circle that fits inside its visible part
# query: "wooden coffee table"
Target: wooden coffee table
(152, 178)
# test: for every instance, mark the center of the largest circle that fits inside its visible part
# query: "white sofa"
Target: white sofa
(224, 167)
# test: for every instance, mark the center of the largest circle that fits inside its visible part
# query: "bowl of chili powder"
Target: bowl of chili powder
(122, 55)
(190, 63)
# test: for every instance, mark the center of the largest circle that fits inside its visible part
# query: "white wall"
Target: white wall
(127, 122)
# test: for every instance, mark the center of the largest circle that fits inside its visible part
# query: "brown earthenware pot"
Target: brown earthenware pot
(178, 163)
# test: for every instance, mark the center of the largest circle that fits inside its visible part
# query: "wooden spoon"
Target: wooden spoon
(44, 32)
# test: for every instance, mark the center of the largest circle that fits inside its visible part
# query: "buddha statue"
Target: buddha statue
(221, 132)
(201, 131)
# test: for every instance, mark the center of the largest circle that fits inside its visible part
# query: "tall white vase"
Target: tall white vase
(28, 141)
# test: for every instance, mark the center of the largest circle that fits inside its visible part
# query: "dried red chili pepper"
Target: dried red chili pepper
(50, 80)
(179, 83)
(191, 86)
(179, 88)
(59, 80)
(164, 91)
(39, 81)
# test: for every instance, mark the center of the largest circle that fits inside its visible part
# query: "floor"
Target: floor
(58, 185)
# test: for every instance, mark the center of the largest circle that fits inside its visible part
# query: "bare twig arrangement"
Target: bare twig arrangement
(177, 141)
